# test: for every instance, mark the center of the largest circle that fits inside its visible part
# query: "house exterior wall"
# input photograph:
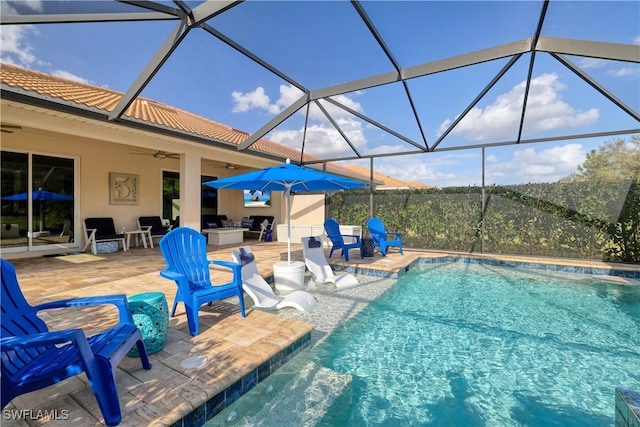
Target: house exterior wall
(100, 149)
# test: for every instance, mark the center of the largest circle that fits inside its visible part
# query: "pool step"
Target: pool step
(295, 395)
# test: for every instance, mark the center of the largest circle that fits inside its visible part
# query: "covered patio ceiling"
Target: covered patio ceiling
(348, 80)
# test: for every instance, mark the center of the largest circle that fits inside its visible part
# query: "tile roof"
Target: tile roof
(389, 182)
(105, 100)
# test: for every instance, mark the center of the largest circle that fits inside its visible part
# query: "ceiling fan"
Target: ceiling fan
(159, 155)
(8, 128)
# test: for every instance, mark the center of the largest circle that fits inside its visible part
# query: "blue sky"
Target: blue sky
(319, 44)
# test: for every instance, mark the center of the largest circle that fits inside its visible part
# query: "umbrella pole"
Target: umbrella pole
(288, 194)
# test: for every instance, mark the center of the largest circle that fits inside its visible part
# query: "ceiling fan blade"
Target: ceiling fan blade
(6, 127)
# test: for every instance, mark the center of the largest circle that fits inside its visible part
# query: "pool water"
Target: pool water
(464, 344)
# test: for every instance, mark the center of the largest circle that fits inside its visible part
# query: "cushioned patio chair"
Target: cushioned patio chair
(261, 292)
(381, 237)
(332, 228)
(319, 267)
(34, 358)
(185, 252)
(153, 226)
(101, 230)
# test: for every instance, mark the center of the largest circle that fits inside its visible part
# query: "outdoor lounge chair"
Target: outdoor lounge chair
(260, 291)
(319, 267)
(185, 252)
(153, 226)
(101, 230)
(381, 237)
(34, 358)
(332, 228)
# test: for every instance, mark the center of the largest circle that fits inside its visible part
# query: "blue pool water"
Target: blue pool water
(464, 345)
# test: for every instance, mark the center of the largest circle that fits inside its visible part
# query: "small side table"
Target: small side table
(151, 316)
(368, 246)
(136, 233)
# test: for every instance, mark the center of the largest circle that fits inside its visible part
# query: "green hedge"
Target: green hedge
(592, 220)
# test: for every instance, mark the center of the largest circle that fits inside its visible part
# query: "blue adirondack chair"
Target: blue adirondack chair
(185, 252)
(34, 358)
(332, 229)
(381, 237)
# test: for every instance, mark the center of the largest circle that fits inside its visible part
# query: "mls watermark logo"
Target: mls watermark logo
(30, 414)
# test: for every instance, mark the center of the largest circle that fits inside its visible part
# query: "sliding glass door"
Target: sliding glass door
(37, 201)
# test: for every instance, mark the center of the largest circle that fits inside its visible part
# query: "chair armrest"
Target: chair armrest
(237, 270)
(398, 235)
(171, 274)
(23, 342)
(228, 264)
(170, 227)
(146, 228)
(75, 336)
(119, 300)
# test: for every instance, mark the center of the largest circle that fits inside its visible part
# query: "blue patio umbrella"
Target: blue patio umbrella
(40, 195)
(287, 178)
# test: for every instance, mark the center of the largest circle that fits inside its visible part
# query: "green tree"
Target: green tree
(616, 164)
(615, 161)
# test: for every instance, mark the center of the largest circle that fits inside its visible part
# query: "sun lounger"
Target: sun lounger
(319, 267)
(260, 291)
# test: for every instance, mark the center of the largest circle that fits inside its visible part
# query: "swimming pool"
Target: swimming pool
(464, 344)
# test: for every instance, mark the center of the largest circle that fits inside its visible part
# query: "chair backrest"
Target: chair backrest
(376, 229)
(155, 222)
(247, 260)
(18, 319)
(105, 227)
(315, 259)
(185, 252)
(332, 228)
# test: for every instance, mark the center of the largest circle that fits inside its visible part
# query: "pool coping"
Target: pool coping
(627, 273)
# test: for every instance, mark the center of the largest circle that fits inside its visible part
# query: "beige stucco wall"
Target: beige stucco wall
(101, 148)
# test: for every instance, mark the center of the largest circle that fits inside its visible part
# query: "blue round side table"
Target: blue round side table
(151, 316)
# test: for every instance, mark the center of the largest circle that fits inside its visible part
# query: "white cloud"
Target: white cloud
(636, 40)
(435, 169)
(258, 99)
(547, 165)
(530, 164)
(250, 100)
(545, 111)
(67, 75)
(322, 139)
(9, 9)
(625, 72)
(587, 63)
(14, 48)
